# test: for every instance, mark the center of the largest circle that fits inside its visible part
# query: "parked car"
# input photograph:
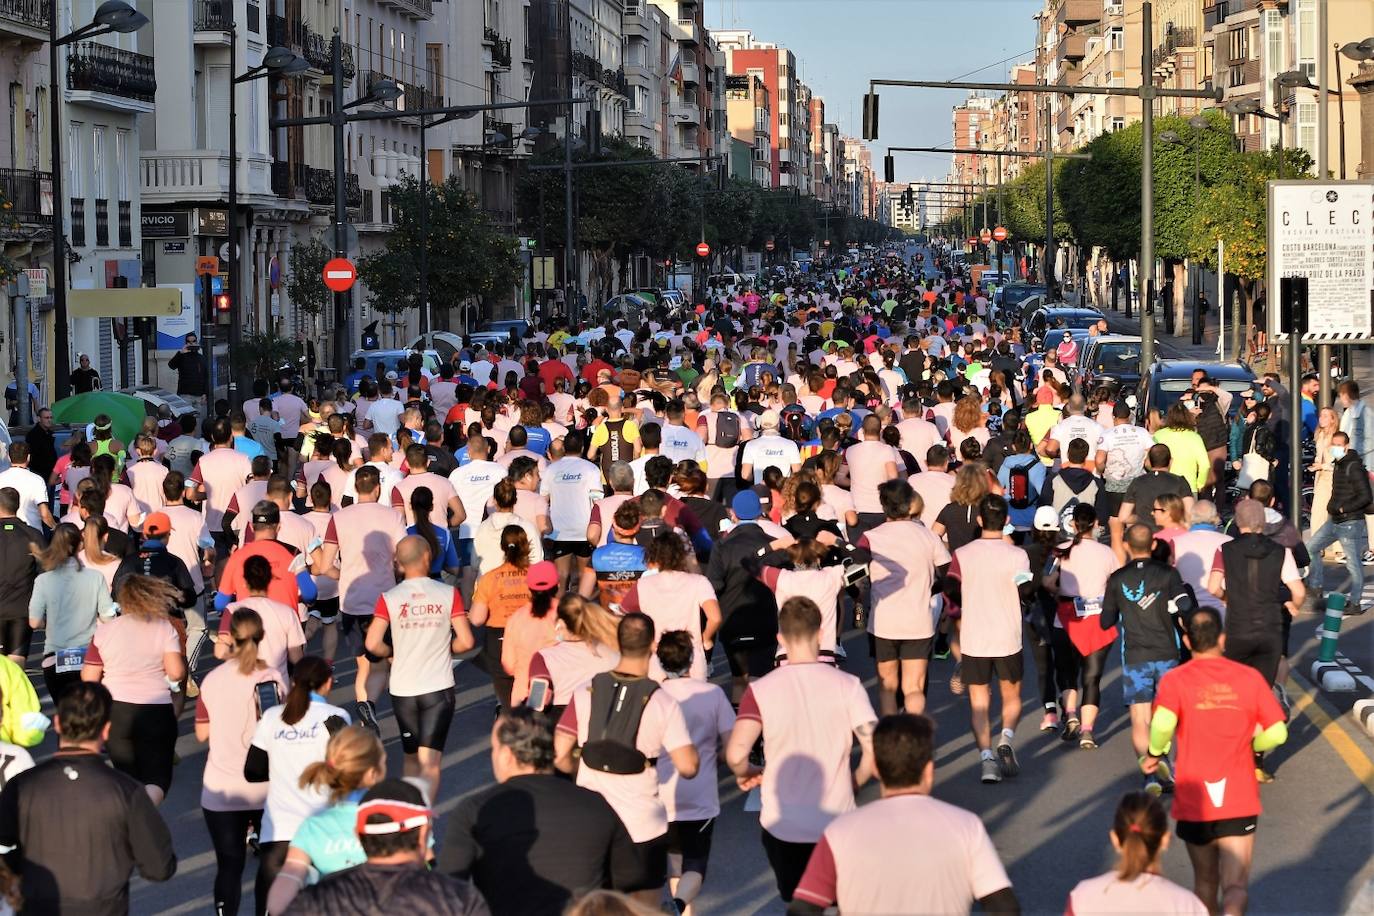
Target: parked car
(1109, 359)
(391, 357)
(1057, 317)
(1167, 380)
(1013, 294)
(445, 343)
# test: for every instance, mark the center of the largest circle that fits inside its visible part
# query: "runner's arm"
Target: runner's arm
(1162, 727)
(1269, 738)
(294, 874)
(376, 638)
(865, 770)
(742, 739)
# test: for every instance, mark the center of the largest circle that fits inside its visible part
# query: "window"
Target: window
(74, 158)
(122, 165)
(1273, 44)
(98, 162)
(434, 63)
(1116, 39)
(1240, 44)
(1118, 124)
(1307, 126)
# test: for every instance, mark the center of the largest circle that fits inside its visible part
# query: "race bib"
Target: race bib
(1087, 607)
(69, 660)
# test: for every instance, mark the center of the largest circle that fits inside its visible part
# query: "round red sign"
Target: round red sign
(339, 274)
(703, 250)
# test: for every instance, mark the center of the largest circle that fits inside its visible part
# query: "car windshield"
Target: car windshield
(1172, 389)
(1078, 322)
(1118, 357)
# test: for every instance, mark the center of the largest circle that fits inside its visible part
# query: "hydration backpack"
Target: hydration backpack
(618, 706)
(1021, 492)
(727, 429)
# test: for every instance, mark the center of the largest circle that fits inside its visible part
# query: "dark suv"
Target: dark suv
(1167, 380)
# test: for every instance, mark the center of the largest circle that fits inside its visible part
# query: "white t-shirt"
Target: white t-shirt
(809, 713)
(681, 444)
(1126, 446)
(474, 483)
(709, 718)
(33, 492)
(420, 612)
(385, 416)
(290, 749)
(770, 450)
(905, 554)
(572, 484)
(388, 476)
(15, 760)
(1077, 427)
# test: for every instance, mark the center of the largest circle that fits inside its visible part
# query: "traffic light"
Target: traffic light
(1293, 305)
(221, 304)
(871, 116)
(889, 169)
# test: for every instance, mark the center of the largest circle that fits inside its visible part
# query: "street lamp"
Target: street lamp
(110, 17)
(278, 61)
(1358, 51)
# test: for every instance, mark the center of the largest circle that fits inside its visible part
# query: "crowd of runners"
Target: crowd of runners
(662, 539)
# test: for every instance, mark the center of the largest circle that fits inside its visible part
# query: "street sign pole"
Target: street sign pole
(23, 335)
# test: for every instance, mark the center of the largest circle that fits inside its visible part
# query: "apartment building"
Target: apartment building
(691, 104)
(750, 117)
(649, 49)
(789, 129)
(969, 122)
(821, 187)
(1175, 60)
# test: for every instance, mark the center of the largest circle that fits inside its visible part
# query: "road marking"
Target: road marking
(1356, 759)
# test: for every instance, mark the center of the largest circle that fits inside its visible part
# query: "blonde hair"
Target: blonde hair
(146, 598)
(607, 903)
(970, 484)
(587, 620)
(351, 754)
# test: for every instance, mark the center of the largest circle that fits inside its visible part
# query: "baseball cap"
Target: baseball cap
(392, 806)
(746, 505)
(770, 419)
(1046, 519)
(266, 512)
(542, 576)
(155, 524)
(465, 366)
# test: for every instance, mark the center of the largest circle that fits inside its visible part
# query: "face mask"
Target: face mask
(1008, 529)
(1337, 452)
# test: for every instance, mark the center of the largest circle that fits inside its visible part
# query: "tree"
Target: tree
(467, 255)
(264, 354)
(305, 277)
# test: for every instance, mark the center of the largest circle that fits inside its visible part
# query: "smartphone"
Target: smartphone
(268, 695)
(855, 574)
(539, 694)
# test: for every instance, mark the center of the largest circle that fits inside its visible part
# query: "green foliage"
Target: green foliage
(467, 255)
(1236, 211)
(305, 278)
(263, 354)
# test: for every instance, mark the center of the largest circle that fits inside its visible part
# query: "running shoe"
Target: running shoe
(1051, 720)
(991, 771)
(367, 717)
(956, 683)
(1153, 787)
(1263, 776)
(1071, 728)
(1006, 758)
(1086, 742)
(1281, 695)
(1367, 557)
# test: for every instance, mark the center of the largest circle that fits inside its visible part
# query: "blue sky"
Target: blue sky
(841, 44)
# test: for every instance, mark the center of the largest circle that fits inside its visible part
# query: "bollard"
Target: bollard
(1331, 627)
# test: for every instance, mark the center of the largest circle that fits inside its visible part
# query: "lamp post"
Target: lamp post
(278, 61)
(110, 17)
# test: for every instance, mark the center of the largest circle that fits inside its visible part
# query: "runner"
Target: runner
(571, 486)
(1140, 834)
(1222, 713)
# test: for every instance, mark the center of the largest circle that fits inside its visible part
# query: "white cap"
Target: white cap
(770, 420)
(1046, 519)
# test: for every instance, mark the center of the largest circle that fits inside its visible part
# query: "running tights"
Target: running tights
(229, 837)
(1070, 668)
(1044, 666)
(271, 858)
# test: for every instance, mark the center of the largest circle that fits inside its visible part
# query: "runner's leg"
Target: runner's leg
(1206, 875)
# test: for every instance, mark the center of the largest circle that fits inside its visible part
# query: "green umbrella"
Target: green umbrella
(125, 411)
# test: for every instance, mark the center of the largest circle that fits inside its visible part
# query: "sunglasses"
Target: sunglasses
(1159, 509)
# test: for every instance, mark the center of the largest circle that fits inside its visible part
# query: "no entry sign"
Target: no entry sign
(339, 275)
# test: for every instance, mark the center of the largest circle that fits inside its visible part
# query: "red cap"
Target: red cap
(542, 576)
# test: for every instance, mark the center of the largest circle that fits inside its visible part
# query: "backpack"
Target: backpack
(727, 429)
(618, 706)
(1071, 501)
(795, 426)
(1021, 492)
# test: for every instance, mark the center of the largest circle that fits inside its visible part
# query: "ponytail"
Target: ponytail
(421, 505)
(515, 546)
(352, 753)
(1140, 826)
(245, 635)
(311, 673)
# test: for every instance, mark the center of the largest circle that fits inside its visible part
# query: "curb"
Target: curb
(1363, 713)
(1363, 710)
(1331, 677)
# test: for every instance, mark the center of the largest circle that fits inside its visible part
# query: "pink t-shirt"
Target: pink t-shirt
(291, 409)
(145, 479)
(947, 862)
(709, 717)
(367, 535)
(868, 463)
(570, 665)
(189, 533)
(228, 703)
(130, 649)
(221, 471)
(243, 501)
(809, 713)
(634, 797)
(673, 600)
(337, 478)
(1084, 572)
(1108, 895)
(530, 505)
(603, 514)
(326, 587)
(1193, 556)
(439, 488)
(822, 586)
(934, 487)
(310, 471)
(120, 505)
(905, 554)
(281, 629)
(991, 623)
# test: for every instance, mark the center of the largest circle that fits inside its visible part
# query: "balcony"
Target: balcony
(1079, 12)
(685, 111)
(170, 177)
(212, 21)
(26, 20)
(498, 134)
(499, 51)
(489, 35)
(106, 77)
(691, 74)
(415, 98)
(1072, 47)
(29, 194)
(415, 9)
(686, 31)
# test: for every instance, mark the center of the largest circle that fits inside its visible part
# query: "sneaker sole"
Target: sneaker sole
(1006, 760)
(991, 779)
(1154, 789)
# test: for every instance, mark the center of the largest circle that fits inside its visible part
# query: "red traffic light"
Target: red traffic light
(768, 244)
(703, 250)
(222, 302)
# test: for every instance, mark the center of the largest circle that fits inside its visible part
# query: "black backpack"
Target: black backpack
(727, 429)
(618, 704)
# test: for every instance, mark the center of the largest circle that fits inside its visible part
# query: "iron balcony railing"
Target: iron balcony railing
(30, 12)
(94, 67)
(23, 189)
(212, 15)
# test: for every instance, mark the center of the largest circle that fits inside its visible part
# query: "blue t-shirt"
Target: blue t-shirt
(448, 551)
(330, 837)
(539, 440)
(248, 446)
